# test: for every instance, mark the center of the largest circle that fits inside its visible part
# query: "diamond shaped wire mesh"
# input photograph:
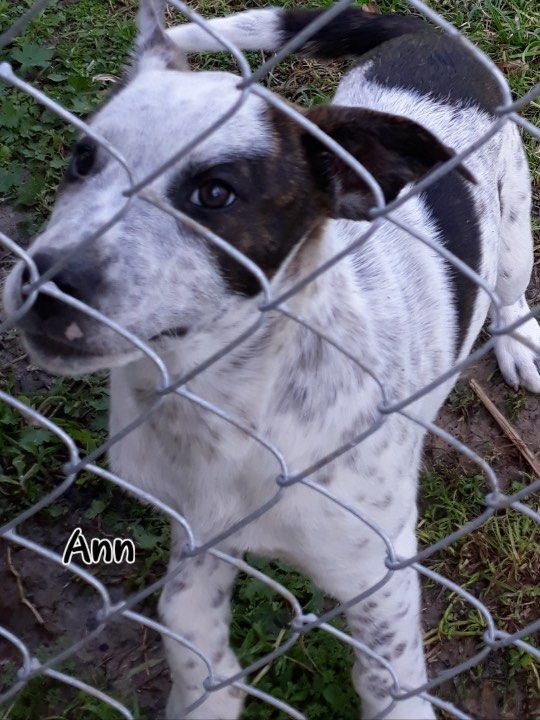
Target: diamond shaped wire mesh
(495, 500)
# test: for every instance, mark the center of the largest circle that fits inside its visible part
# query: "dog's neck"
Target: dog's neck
(330, 303)
(282, 369)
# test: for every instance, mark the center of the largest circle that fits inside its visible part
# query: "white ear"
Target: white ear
(154, 49)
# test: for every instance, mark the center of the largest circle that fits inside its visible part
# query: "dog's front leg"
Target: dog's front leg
(389, 624)
(386, 622)
(196, 605)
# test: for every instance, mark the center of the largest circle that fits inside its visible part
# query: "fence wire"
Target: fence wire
(301, 623)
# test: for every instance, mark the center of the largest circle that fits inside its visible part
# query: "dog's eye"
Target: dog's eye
(83, 159)
(213, 194)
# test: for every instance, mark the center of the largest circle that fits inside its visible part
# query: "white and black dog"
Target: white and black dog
(273, 191)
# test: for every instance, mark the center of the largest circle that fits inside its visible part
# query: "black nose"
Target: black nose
(78, 278)
(45, 306)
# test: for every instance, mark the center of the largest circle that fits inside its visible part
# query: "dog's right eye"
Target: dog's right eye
(213, 194)
(83, 159)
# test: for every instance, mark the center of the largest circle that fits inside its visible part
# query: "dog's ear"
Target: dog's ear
(154, 49)
(395, 150)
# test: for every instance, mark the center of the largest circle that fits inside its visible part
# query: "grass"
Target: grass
(72, 59)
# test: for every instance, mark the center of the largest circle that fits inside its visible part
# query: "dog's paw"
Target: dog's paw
(519, 363)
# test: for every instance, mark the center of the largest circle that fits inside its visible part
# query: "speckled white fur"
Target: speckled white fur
(389, 305)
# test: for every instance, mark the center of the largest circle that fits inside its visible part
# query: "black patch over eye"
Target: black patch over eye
(83, 159)
(213, 194)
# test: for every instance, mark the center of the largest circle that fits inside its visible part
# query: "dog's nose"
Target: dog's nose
(66, 280)
(78, 278)
(46, 306)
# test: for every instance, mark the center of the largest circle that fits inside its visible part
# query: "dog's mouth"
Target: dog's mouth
(176, 332)
(49, 345)
(45, 346)
(61, 357)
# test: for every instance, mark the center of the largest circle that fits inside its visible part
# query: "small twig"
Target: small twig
(262, 672)
(14, 361)
(508, 429)
(106, 78)
(144, 649)
(20, 588)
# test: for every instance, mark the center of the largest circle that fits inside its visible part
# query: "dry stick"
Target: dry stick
(262, 672)
(22, 594)
(507, 428)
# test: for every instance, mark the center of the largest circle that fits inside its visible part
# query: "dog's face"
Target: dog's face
(259, 181)
(150, 272)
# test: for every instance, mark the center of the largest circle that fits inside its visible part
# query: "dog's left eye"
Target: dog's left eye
(213, 194)
(83, 159)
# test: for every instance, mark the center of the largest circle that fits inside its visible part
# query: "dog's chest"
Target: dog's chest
(295, 399)
(297, 409)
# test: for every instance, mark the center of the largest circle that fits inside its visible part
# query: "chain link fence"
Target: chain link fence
(495, 500)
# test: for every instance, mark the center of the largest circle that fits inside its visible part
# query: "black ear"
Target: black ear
(395, 150)
(154, 48)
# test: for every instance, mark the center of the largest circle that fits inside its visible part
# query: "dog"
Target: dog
(288, 203)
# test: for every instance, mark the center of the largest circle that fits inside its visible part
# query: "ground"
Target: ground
(64, 53)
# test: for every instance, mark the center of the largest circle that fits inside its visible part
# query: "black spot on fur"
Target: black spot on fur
(277, 204)
(384, 502)
(451, 206)
(352, 32)
(352, 461)
(312, 351)
(403, 612)
(176, 586)
(403, 431)
(377, 686)
(399, 649)
(500, 193)
(435, 65)
(286, 195)
(294, 398)
(404, 50)
(218, 656)
(218, 598)
(384, 639)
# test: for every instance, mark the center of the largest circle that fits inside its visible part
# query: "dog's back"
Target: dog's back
(406, 67)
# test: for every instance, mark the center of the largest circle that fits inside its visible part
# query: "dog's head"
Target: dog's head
(259, 181)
